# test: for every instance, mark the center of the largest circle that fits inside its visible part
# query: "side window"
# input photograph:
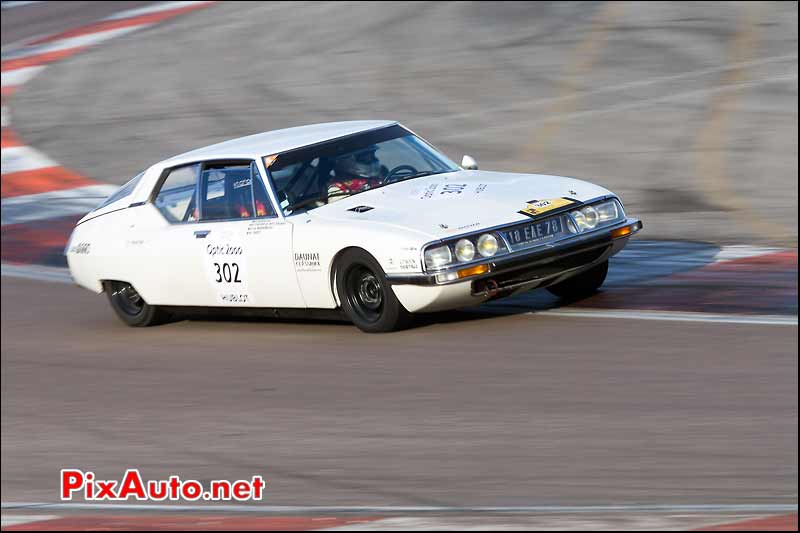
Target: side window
(227, 193)
(176, 198)
(122, 192)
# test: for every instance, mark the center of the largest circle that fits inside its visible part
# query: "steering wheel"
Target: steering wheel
(391, 178)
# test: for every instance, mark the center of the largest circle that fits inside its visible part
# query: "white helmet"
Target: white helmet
(359, 164)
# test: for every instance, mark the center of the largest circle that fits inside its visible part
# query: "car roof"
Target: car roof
(277, 141)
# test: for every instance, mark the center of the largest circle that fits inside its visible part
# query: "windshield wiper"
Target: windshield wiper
(417, 175)
(422, 174)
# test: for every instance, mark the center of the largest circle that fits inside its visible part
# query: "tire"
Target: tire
(584, 284)
(130, 307)
(366, 298)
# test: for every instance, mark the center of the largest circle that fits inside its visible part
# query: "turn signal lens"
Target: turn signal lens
(621, 232)
(473, 271)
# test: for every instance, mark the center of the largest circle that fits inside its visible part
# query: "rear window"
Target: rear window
(122, 192)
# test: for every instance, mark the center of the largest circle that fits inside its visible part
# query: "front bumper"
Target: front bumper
(543, 265)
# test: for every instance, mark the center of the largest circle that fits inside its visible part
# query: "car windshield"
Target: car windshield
(317, 175)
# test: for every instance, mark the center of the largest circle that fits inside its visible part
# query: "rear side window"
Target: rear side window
(227, 193)
(122, 192)
(177, 199)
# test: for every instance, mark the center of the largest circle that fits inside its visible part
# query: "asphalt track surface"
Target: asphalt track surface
(475, 410)
(493, 406)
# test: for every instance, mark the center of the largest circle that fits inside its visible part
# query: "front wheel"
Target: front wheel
(584, 284)
(131, 307)
(366, 298)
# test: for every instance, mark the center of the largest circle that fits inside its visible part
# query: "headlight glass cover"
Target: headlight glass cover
(608, 211)
(482, 246)
(595, 216)
(438, 257)
(469, 249)
(487, 245)
(465, 250)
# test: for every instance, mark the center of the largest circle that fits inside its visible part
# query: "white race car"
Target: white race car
(360, 217)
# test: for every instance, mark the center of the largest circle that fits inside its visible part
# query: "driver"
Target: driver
(354, 172)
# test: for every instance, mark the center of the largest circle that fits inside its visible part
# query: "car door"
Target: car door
(164, 234)
(243, 246)
(208, 240)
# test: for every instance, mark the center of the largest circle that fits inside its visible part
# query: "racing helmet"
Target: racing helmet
(359, 164)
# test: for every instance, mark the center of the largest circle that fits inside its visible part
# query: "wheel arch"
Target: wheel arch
(335, 265)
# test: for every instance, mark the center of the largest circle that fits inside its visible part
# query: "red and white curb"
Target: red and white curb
(745, 272)
(29, 177)
(9, 4)
(399, 518)
(671, 316)
(649, 281)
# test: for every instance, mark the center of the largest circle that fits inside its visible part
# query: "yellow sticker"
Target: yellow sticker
(537, 207)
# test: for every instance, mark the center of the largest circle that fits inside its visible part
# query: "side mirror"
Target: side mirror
(469, 163)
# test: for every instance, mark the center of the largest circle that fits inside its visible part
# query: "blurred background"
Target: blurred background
(687, 110)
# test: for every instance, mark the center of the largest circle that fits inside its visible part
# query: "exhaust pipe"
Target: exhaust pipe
(492, 288)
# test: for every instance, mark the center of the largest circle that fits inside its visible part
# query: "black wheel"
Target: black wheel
(584, 284)
(366, 298)
(131, 307)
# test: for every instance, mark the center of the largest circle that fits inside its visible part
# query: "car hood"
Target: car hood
(449, 204)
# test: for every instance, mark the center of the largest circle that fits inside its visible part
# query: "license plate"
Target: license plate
(536, 232)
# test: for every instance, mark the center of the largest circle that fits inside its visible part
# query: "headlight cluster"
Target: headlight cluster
(594, 216)
(474, 248)
(464, 250)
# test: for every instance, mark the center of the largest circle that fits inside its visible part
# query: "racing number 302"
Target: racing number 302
(228, 273)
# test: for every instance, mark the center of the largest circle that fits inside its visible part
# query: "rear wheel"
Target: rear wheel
(584, 284)
(366, 298)
(131, 307)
